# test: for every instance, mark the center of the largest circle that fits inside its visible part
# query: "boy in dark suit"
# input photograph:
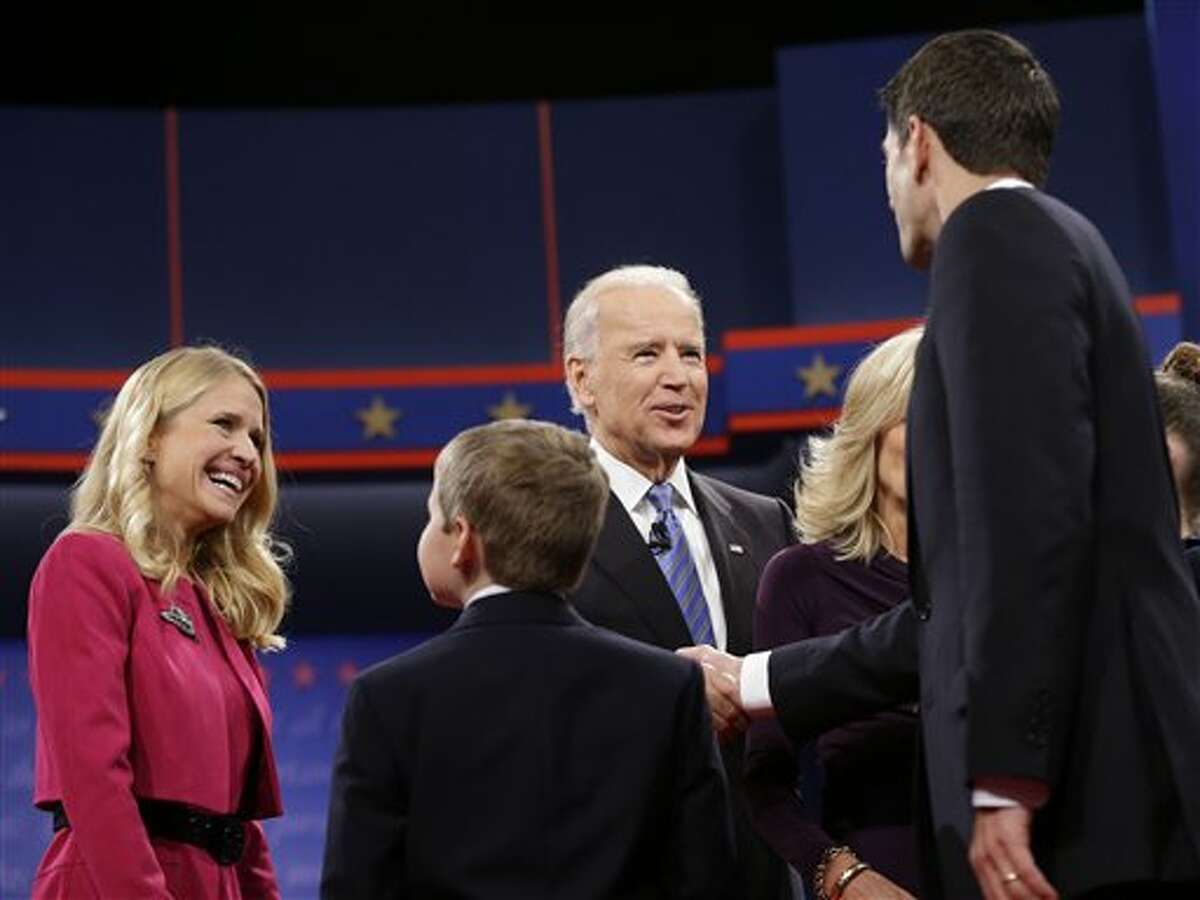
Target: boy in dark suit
(524, 753)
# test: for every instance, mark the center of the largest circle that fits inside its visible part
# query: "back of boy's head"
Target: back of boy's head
(535, 495)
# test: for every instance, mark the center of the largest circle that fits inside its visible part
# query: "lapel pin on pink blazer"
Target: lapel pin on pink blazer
(180, 620)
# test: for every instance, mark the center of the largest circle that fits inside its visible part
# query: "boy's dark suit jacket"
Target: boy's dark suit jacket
(625, 591)
(527, 754)
(1054, 628)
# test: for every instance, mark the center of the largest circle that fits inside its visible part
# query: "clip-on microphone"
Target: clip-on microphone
(660, 538)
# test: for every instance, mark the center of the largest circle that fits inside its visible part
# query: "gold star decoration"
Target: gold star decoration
(510, 408)
(379, 419)
(819, 377)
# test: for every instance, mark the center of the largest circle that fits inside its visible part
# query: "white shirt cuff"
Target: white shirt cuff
(755, 687)
(982, 799)
(999, 791)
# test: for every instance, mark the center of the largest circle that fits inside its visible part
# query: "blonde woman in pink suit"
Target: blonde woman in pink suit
(153, 727)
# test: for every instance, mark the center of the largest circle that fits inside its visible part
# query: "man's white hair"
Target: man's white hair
(580, 337)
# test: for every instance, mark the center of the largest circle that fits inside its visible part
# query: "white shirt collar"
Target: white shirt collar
(486, 591)
(630, 485)
(1008, 181)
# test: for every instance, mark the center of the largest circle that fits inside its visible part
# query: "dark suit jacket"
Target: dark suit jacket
(1054, 617)
(625, 591)
(1191, 553)
(525, 754)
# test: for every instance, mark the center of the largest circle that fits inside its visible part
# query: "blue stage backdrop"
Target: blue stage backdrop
(841, 239)
(401, 273)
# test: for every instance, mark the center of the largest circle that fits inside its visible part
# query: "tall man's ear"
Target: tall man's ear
(921, 143)
(578, 376)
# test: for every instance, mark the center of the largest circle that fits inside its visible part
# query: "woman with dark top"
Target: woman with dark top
(1178, 384)
(153, 751)
(849, 566)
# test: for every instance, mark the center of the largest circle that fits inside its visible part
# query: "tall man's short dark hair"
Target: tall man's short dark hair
(987, 97)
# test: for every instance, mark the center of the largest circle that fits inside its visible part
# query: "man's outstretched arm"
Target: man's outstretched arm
(814, 685)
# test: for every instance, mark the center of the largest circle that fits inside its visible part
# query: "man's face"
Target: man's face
(646, 389)
(911, 199)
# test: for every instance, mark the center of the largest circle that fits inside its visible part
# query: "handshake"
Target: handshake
(723, 686)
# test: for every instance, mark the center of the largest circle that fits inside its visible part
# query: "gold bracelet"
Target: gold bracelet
(821, 867)
(846, 877)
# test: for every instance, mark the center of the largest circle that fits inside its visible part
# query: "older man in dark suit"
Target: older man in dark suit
(680, 554)
(1052, 636)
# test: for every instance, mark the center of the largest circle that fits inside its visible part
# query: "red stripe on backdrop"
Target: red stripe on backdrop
(174, 235)
(549, 228)
(1158, 304)
(102, 379)
(303, 461)
(710, 446)
(42, 462)
(356, 460)
(296, 462)
(782, 421)
(748, 339)
(449, 376)
(807, 335)
(64, 379)
(432, 377)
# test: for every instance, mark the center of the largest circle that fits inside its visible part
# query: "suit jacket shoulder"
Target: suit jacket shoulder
(475, 636)
(518, 720)
(92, 551)
(744, 531)
(742, 498)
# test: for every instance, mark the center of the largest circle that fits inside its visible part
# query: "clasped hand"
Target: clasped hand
(722, 685)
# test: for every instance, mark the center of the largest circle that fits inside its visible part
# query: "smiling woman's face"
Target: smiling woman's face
(207, 457)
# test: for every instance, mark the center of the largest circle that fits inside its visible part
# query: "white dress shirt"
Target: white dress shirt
(630, 487)
(486, 591)
(1008, 181)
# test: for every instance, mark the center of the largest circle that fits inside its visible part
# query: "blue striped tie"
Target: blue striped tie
(678, 567)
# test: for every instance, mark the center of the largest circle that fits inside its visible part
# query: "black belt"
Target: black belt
(224, 837)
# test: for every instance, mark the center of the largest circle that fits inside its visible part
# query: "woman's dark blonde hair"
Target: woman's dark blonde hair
(1178, 385)
(239, 563)
(835, 490)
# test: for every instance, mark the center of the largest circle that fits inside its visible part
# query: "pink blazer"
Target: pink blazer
(127, 707)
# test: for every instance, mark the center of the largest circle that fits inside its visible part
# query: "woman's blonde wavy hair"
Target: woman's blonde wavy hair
(239, 564)
(835, 488)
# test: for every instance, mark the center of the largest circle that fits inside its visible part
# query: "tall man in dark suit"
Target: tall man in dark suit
(679, 556)
(524, 753)
(1053, 631)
